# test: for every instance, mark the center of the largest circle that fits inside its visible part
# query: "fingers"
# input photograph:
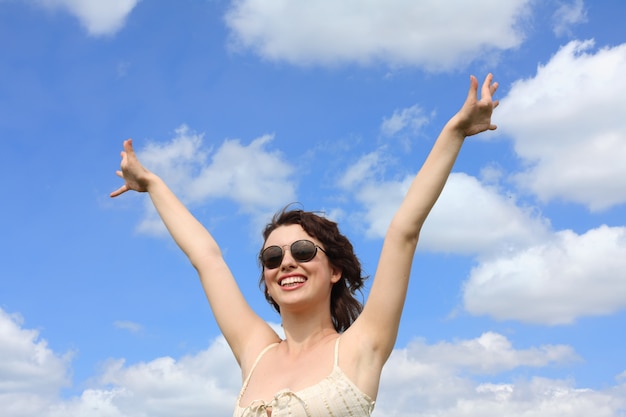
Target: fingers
(119, 191)
(472, 94)
(128, 146)
(494, 87)
(488, 87)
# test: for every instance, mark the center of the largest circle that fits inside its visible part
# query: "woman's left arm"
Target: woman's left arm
(378, 323)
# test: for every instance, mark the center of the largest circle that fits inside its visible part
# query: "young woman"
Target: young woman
(334, 349)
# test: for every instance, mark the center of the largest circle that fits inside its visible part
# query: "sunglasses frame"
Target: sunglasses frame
(282, 253)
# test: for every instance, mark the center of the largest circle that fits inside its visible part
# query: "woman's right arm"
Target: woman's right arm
(244, 330)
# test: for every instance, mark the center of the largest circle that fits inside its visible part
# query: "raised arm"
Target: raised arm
(239, 324)
(381, 315)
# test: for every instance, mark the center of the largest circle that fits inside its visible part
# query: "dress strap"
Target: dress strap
(256, 362)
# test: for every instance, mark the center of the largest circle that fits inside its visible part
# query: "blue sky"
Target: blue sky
(517, 302)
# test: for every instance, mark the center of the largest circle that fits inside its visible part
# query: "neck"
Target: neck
(304, 331)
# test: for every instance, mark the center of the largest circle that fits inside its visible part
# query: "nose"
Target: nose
(288, 261)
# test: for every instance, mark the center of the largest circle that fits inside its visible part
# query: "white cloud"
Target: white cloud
(469, 217)
(535, 397)
(380, 199)
(97, 16)
(568, 126)
(364, 169)
(554, 282)
(192, 386)
(410, 118)
(568, 14)
(31, 374)
(435, 380)
(474, 218)
(521, 261)
(490, 353)
(250, 175)
(425, 379)
(430, 34)
(256, 178)
(179, 159)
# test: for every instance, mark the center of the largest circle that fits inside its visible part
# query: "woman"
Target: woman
(331, 358)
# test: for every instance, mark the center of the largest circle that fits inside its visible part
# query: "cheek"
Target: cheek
(268, 288)
(268, 277)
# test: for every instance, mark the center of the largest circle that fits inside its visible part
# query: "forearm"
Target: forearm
(190, 235)
(428, 183)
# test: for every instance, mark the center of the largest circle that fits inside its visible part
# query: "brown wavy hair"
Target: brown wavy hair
(344, 306)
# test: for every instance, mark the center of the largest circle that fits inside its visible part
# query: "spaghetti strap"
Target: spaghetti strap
(334, 395)
(256, 362)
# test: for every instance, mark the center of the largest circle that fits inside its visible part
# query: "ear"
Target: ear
(336, 275)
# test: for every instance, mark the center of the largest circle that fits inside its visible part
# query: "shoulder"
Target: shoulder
(360, 360)
(254, 351)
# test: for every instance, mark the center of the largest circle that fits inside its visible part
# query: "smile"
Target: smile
(291, 281)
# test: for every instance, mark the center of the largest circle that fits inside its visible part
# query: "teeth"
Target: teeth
(291, 280)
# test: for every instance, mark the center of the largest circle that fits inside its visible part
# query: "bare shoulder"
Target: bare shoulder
(259, 340)
(360, 359)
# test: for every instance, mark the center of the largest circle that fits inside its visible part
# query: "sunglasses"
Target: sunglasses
(301, 251)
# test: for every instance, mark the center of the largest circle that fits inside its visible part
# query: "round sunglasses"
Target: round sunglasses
(301, 251)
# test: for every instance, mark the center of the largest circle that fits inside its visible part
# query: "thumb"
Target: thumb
(119, 191)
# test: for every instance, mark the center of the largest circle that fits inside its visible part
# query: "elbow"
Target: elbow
(204, 259)
(402, 232)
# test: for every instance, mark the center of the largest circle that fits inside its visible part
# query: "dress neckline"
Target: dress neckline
(260, 405)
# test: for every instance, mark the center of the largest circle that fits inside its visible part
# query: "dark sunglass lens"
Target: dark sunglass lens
(272, 256)
(303, 250)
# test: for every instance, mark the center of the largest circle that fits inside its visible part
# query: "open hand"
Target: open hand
(475, 115)
(134, 174)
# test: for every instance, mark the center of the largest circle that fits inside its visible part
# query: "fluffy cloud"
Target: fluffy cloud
(411, 119)
(256, 178)
(188, 387)
(435, 35)
(569, 14)
(458, 397)
(97, 16)
(425, 379)
(435, 380)
(568, 127)
(490, 353)
(562, 279)
(31, 374)
(469, 217)
(521, 262)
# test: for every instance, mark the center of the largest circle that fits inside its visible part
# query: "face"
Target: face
(295, 282)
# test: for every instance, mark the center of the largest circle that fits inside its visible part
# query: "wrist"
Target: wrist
(455, 128)
(151, 181)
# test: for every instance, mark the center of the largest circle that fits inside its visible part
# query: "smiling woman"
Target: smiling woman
(344, 306)
(334, 349)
